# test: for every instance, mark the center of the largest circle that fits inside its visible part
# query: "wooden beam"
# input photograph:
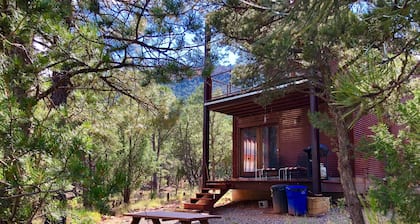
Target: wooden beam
(206, 111)
(316, 176)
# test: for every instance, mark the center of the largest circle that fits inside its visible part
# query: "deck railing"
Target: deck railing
(222, 85)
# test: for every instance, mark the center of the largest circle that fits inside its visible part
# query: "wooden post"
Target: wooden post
(316, 177)
(206, 112)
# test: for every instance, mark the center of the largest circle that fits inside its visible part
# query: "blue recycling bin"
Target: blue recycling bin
(296, 199)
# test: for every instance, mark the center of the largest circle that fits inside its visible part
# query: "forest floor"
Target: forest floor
(246, 212)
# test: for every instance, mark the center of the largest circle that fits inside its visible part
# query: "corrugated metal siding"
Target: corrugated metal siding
(293, 137)
(365, 167)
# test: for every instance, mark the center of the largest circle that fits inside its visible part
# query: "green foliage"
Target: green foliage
(187, 142)
(56, 137)
(220, 158)
(323, 122)
(398, 192)
(82, 216)
(364, 86)
(34, 176)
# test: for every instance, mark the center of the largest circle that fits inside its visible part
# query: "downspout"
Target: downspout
(316, 180)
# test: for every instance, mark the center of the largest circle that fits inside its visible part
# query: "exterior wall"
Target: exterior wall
(235, 159)
(293, 137)
(365, 168)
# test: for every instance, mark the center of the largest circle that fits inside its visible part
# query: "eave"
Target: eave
(243, 105)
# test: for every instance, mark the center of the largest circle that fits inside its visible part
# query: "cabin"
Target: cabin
(276, 144)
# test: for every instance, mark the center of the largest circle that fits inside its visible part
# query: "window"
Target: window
(259, 148)
(249, 145)
(270, 149)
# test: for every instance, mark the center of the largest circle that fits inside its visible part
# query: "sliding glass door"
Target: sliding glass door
(269, 147)
(249, 146)
(259, 149)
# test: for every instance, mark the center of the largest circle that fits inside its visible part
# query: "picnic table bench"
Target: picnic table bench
(183, 217)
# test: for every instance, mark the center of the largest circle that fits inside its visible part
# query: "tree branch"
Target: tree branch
(125, 92)
(394, 83)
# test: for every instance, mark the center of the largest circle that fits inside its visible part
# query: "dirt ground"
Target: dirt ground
(248, 212)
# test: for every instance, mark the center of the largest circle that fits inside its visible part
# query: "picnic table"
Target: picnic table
(183, 217)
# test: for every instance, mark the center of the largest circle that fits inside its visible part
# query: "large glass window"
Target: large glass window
(249, 145)
(270, 150)
(259, 148)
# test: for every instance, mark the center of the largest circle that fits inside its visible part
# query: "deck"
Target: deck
(264, 184)
(214, 190)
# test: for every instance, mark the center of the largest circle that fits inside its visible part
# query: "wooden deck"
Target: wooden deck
(330, 185)
(214, 190)
(261, 183)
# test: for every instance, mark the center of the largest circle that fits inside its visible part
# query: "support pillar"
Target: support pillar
(206, 112)
(316, 174)
(206, 134)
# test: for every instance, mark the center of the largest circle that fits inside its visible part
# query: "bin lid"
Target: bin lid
(296, 187)
(278, 187)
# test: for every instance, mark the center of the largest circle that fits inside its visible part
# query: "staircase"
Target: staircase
(209, 195)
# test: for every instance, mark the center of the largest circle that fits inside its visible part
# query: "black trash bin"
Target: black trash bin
(278, 193)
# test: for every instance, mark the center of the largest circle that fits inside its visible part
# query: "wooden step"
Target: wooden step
(211, 190)
(206, 195)
(218, 185)
(193, 206)
(202, 201)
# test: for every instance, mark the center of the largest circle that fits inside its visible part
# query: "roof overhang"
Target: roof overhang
(294, 95)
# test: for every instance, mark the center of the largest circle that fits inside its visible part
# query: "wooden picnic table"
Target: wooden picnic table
(183, 217)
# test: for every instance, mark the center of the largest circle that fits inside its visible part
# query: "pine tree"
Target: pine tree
(51, 48)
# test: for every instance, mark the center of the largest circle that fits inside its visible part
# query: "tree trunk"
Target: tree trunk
(85, 199)
(156, 146)
(154, 175)
(87, 202)
(127, 188)
(212, 147)
(155, 183)
(126, 194)
(354, 205)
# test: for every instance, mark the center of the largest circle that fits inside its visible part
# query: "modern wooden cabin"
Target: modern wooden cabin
(269, 145)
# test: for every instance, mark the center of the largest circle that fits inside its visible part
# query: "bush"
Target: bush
(398, 191)
(82, 216)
